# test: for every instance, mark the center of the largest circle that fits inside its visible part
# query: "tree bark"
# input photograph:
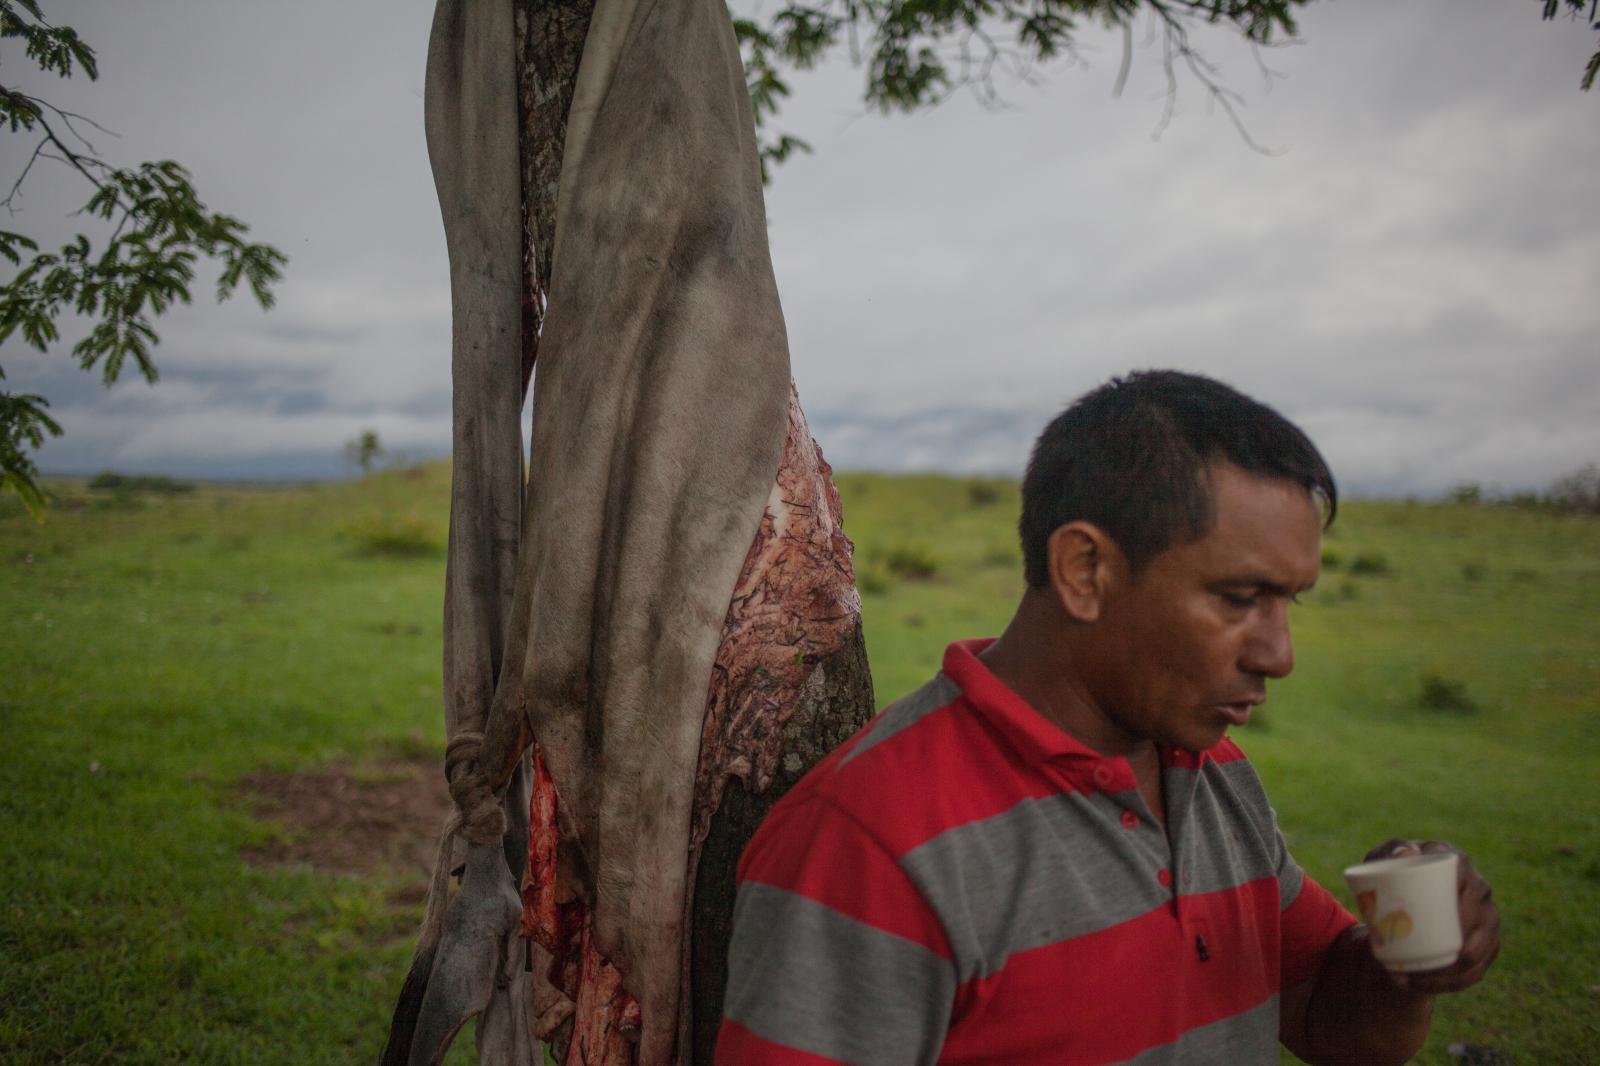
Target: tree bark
(550, 37)
(836, 701)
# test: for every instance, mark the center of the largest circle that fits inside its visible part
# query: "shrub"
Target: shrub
(119, 499)
(1474, 569)
(112, 481)
(872, 581)
(1532, 501)
(1370, 563)
(402, 537)
(1331, 559)
(1004, 553)
(1578, 492)
(914, 561)
(982, 493)
(1439, 693)
(1469, 493)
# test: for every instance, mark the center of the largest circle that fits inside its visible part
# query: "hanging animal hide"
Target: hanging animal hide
(681, 569)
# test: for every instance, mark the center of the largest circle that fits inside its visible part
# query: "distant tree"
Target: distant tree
(1578, 491)
(158, 229)
(364, 450)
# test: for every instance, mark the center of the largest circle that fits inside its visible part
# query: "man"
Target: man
(1050, 853)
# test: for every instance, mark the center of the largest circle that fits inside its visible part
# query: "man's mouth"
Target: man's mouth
(1238, 711)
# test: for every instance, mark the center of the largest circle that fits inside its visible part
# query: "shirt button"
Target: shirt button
(1130, 820)
(1165, 877)
(1103, 775)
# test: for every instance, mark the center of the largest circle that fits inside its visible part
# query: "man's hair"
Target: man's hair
(1132, 457)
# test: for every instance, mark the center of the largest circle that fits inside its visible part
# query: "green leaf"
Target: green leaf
(23, 426)
(10, 242)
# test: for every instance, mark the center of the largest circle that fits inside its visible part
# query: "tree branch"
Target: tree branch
(33, 157)
(34, 110)
(1175, 48)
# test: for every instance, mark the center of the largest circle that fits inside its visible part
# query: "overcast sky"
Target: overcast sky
(1411, 271)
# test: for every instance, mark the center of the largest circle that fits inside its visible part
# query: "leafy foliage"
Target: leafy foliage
(23, 425)
(917, 52)
(1574, 10)
(53, 48)
(159, 229)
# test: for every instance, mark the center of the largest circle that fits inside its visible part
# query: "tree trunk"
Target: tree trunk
(550, 37)
(836, 701)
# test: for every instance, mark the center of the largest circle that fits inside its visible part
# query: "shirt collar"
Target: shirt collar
(1036, 737)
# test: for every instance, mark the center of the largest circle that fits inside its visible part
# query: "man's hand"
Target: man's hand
(1357, 1013)
(1480, 922)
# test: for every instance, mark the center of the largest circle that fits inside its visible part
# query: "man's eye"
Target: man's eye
(1238, 599)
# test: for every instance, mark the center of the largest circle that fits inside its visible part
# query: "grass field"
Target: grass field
(155, 649)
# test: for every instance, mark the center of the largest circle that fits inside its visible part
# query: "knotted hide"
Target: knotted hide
(661, 399)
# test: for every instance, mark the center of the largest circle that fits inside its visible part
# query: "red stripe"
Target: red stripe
(1226, 751)
(1311, 923)
(1091, 980)
(825, 856)
(738, 1046)
(934, 757)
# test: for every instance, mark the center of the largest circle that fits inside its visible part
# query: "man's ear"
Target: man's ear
(1081, 560)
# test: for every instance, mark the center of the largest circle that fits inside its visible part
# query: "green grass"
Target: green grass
(149, 656)
(156, 647)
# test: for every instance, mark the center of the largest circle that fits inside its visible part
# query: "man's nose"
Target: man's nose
(1269, 650)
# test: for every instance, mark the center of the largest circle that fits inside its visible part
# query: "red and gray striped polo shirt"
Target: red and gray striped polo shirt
(962, 882)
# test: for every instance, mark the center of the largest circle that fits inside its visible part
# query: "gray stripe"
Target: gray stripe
(1291, 879)
(1044, 871)
(834, 986)
(1247, 1039)
(1236, 783)
(906, 712)
(1229, 835)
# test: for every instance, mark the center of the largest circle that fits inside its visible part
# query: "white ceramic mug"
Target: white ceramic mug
(1410, 905)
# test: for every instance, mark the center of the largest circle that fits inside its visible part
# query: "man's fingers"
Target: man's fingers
(1480, 926)
(1480, 934)
(1465, 972)
(1480, 921)
(1392, 847)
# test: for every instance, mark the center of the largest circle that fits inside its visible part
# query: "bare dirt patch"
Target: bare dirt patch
(351, 819)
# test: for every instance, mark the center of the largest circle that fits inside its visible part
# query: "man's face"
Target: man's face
(1185, 650)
